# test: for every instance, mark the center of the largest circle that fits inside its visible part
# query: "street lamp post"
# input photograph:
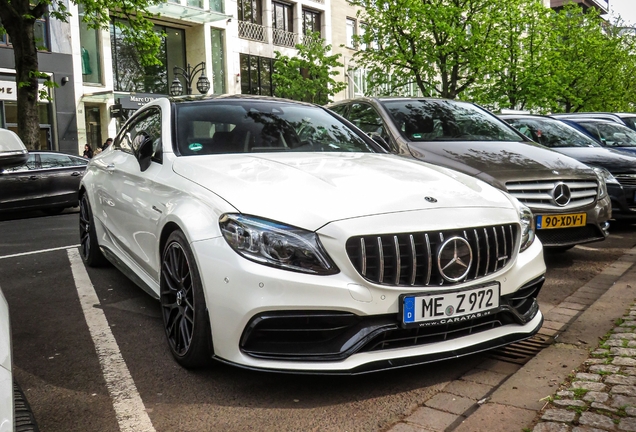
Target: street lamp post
(188, 74)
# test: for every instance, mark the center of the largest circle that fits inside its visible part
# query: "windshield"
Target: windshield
(248, 126)
(442, 120)
(612, 134)
(552, 133)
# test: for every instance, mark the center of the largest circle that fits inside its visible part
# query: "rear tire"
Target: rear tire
(89, 247)
(183, 304)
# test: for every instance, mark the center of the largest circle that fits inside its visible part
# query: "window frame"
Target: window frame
(351, 23)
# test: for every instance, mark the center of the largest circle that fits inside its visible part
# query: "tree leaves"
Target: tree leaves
(309, 76)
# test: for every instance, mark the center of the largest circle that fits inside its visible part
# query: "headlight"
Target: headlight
(526, 219)
(276, 244)
(604, 177)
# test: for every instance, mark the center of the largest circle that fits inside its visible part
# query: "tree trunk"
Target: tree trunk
(26, 66)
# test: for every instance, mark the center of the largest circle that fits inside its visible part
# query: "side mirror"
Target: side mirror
(381, 142)
(144, 154)
(13, 153)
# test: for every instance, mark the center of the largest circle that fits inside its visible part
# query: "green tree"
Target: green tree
(309, 76)
(591, 62)
(520, 70)
(18, 19)
(443, 46)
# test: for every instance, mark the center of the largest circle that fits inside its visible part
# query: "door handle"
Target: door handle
(33, 177)
(110, 167)
(75, 173)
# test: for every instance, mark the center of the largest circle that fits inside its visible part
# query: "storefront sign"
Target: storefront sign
(115, 111)
(9, 91)
(136, 100)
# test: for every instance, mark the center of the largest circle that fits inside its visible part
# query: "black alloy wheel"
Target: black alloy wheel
(183, 304)
(89, 248)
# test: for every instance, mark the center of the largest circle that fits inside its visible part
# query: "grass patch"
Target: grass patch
(579, 392)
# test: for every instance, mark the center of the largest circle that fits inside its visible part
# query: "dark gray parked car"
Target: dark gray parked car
(48, 181)
(569, 199)
(564, 138)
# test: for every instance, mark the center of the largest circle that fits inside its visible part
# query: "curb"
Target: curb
(500, 396)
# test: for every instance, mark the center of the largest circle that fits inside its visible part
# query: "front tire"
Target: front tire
(89, 248)
(183, 304)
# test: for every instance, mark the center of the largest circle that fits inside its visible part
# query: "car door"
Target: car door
(127, 195)
(20, 187)
(61, 175)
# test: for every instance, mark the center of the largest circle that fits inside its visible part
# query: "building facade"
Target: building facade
(58, 126)
(231, 42)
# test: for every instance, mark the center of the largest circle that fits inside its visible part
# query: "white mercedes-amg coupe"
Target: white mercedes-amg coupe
(278, 236)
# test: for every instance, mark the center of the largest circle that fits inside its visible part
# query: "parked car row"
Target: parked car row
(372, 234)
(569, 199)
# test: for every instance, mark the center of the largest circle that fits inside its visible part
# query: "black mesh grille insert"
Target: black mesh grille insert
(569, 236)
(410, 259)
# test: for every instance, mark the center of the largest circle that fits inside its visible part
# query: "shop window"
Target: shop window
(90, 50)
(130, 76)
(218, 60)
(195, 3)
(256, 75)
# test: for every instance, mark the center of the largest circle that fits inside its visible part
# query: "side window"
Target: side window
(55, 161)
(145, 126)
(28, 166)
(339, 109)
(367, 118)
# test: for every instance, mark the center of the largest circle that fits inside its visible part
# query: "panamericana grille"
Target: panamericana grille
(537, 194)
(410, 259)
(626, 179)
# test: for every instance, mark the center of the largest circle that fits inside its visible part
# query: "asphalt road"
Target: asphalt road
(58, 367)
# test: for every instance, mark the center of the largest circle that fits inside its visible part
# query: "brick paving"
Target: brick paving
(499, 396)
(601, 394)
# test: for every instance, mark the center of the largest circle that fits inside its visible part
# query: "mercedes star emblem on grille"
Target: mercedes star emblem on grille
(454, 258)
(561, 194)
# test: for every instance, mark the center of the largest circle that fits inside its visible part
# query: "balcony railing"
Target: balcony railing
(284, 38)
(252, 31)
(308, 40)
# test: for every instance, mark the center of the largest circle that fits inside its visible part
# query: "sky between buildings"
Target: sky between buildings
(626, 9)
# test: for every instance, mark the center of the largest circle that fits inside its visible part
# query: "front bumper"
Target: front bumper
(595, 230)
(240, 292)
(623, 200)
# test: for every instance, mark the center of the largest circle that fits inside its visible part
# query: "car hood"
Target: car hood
(309, 190)
(504, 161)
(615, 161)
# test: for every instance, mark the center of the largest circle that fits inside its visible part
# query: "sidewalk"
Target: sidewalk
(584, 381)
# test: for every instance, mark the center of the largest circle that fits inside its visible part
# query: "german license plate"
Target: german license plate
(561, 221)
(420, 310)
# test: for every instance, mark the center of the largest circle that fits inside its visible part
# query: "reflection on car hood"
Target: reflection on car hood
(615, 161)
(311, 189)
(502, 160)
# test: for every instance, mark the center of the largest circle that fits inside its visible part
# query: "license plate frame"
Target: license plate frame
(452, 299)
(570, 220)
